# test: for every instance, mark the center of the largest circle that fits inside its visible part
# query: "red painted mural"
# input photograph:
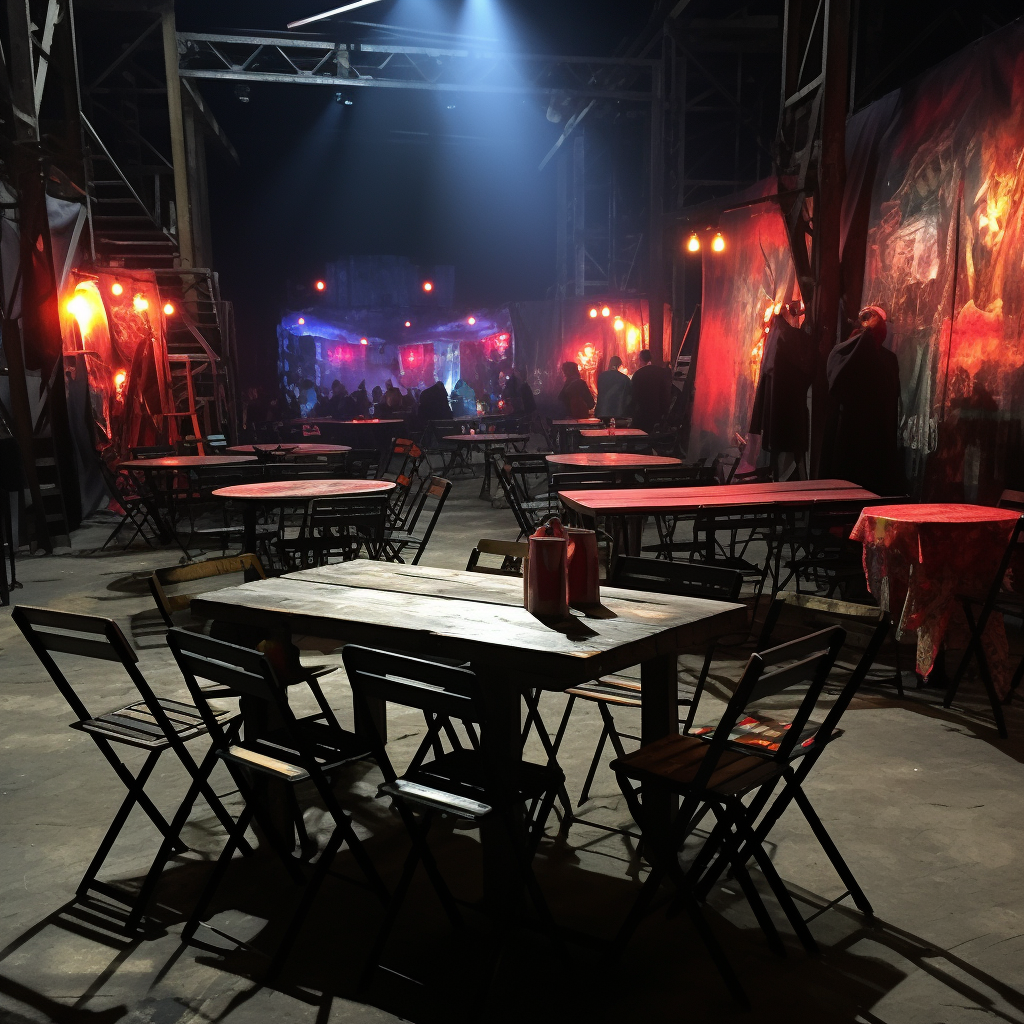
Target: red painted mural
(744, 286)
(945, 258)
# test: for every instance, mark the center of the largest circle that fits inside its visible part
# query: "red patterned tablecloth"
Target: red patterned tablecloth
(918, 558)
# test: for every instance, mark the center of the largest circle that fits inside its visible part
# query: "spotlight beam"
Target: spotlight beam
(330, 14)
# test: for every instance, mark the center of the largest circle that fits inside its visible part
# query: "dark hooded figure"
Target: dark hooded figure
(434, 403)
(862, 428)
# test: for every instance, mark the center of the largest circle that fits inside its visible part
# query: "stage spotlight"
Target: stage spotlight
(242, 93)
(141, 303)
(693, 244)
(302, 320)
(428, 286)
(471, 321)
(364, 341)
(116, 288)
(718, 242)
(619, 323)
(320, 286)
(168, 309)
(593, 314)
(606, 311)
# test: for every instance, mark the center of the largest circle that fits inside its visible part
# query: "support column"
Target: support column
(179, 156)
(656, 269)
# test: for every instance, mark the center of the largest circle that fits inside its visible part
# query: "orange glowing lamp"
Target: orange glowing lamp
(428, 286)
(141, 303)
(606, 311)
(588, 351)
(408, 323)
(364, 341)
(321, 286)
(619, 323)
(471, 321)
(117, 288)
(119, 378)
(168, 309)
(593, 314)
(302, 320)
(693, 243)
(718, 242)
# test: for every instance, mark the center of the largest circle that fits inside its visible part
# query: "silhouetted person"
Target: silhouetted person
(575, 396)
(360, 400)
(434, 403)
(650, 393)
(613, 388)
(861, 432)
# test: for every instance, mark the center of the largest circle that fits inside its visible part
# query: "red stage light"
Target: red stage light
(302, 320)
(321, 285)
(593, 313)
(119, 378)
(116, 288)
(606, 311)
(141, 303)
(428, 286)
(471, 321)
(693, 245)
(363, 341)
(502, 337)
(168, 309)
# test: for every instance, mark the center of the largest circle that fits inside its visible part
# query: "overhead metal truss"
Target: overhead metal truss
(244, 58)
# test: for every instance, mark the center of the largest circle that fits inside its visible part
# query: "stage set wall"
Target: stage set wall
(933, 231)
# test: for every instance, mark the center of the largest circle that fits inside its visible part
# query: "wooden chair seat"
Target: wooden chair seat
(136, 725)
(618, 690)
(674, 761)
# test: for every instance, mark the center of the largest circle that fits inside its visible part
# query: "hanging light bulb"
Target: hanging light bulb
(693, 243)
(168, 309)
(606, 311)
(593, 314)
(718, 242)
(116, 288)
(619, 323)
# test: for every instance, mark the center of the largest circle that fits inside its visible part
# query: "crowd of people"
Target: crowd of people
(512, 396)
(644, 398)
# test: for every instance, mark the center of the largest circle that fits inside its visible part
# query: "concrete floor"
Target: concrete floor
(926, 805)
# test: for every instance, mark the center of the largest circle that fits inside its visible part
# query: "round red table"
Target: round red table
(919, 558)
(592, 420)
(292, 492)
(618, 432)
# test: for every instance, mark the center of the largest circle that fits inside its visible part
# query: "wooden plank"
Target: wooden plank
(668, 500)
(491, 628)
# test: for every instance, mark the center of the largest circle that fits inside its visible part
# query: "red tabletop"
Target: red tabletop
(483, 436)
(302, 490)
(187, 462)
(612, 460)
(618, 432)
(363, 423)
(681, 500)
(575, 423)
(919, 558)
(287, 449)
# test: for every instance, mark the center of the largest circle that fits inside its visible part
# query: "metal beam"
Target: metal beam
(179, 157)
(211, 122)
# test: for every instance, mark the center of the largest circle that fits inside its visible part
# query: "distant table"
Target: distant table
(617, 432)
(297, 448)
(484, 441)
(182, 462)
(611, 460)
(480, 619)
(919, 558)
(292, 492)
(666, 501)
(564, 430)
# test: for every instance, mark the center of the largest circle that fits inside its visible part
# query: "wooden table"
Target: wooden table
(183, 462)
(565, 428)
(611, 460)
(483, 440)
(480, 619)
(617, 432)
(292, 492)
(661, 501)
(290, 449)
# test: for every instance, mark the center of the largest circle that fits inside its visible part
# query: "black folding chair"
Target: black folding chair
(335, 529)
(529, 514)
(511, 553)
(170, 604)
(151, 724)
(456, 782)
(684, 579)
(714, 776)
(405, 539)
(136, 510)
(289, 752)
(978, 612)
(867, 629)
